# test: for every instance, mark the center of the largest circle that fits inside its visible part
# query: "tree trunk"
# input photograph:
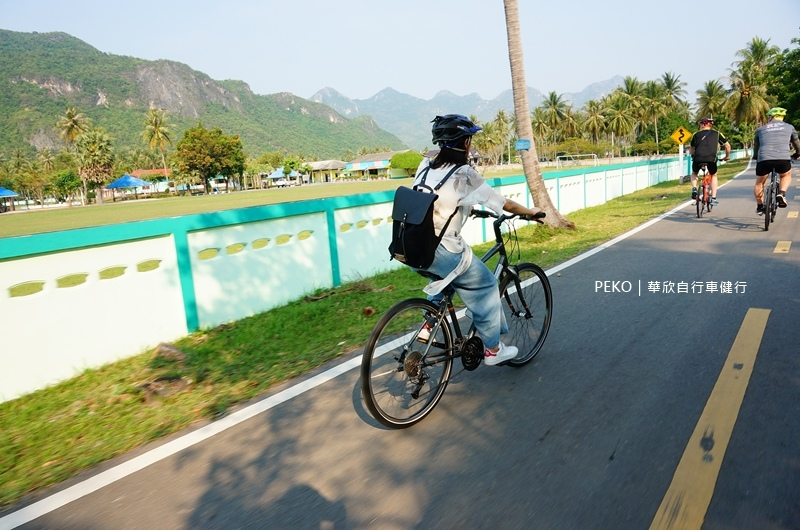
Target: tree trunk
(530, 158)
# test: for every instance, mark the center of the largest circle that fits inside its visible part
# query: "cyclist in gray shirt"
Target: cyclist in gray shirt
(771, 150)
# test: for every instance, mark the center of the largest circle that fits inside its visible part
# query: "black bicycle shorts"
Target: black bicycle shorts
(712, 167)
(765, 167)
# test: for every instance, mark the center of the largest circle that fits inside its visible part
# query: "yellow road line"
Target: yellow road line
(782, 247)
(687, 499)
(792, 215)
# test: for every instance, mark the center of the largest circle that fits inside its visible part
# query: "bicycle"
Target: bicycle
(703, 191)
(770, 199)
(405, 371)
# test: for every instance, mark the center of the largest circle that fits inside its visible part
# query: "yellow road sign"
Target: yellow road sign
(681, 135)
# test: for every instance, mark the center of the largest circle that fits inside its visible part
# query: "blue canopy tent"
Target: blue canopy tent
(4, 194)
(128, 181)
(278, 174)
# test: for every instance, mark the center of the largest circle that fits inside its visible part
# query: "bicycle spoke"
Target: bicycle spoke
(528, 310)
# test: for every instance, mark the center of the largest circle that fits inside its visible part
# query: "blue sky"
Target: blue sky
(419, 47)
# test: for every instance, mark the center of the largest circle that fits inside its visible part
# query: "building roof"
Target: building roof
(144, 173)
(323, 165)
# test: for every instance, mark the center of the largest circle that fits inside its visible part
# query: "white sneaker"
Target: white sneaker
(505, 353)
(424, 333)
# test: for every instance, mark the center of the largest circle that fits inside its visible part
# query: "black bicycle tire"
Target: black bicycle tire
(377, 407)
(708, 199)
(775, 197)
(519, 332)
(768, 205)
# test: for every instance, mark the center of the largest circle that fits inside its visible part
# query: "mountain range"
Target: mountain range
(409, 117)
(41, 74)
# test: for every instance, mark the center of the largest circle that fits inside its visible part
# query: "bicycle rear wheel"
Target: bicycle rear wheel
(769, 204)
(402, 378)
(699, 204)
(528, 309)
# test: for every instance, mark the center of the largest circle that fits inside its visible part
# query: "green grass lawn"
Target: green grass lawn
(55, 433)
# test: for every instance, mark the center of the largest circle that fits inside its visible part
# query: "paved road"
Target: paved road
(655, 407)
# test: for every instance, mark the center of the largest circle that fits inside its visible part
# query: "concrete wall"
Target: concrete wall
(79, 299)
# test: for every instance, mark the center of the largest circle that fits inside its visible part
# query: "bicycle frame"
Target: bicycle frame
(446, 304)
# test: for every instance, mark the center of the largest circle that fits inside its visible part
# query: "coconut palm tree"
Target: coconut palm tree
(620, 116)
(655, 103)
(46, 159)
(711, 98)
(539, 125)
(747, 102)
(594, 119)
(756, 57)
(555, 109)
(673, 89)
(71, 125)
(502, 122)
(157, 134)
(95, 157)
(632, 90)
(530, 159)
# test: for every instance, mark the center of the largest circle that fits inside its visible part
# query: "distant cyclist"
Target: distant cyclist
(771, 150)
(704, 147)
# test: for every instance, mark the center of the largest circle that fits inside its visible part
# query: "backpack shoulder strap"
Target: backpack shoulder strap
(441, 182)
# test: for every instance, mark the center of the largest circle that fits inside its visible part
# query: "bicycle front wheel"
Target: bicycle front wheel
(402, 377)
(528, 308)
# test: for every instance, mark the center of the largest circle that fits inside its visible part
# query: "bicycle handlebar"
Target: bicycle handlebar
(485, 214)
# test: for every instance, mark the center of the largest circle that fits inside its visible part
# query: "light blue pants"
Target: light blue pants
(477, 288)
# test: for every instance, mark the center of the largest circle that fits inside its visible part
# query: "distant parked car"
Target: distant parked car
(282, 183)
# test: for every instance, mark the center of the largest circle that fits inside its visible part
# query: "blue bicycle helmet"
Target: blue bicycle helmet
(450, 129)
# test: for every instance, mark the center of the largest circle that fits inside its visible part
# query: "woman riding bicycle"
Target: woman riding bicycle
(771, 150)
(454, 261)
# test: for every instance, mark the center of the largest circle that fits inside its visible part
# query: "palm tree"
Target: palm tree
(748, 97)
(71, 125)
(673, 89)
(555, 109)
(620, 116)
(756, 57)
(157, 135)
(594, 119)
(655, 103)
(711, 98)
(748, 101)
(632, 90)
(46, 159)
(539, 125)
(570, 124)
(95, 156)
(530, 159)
(502, 122)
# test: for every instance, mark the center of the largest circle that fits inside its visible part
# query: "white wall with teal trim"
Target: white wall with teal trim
(261, 258)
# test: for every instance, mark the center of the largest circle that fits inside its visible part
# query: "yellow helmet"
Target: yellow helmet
(776, 111)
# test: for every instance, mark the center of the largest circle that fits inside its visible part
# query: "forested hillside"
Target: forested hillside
(42, 74)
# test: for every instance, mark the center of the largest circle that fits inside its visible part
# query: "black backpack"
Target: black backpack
(414, 238)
